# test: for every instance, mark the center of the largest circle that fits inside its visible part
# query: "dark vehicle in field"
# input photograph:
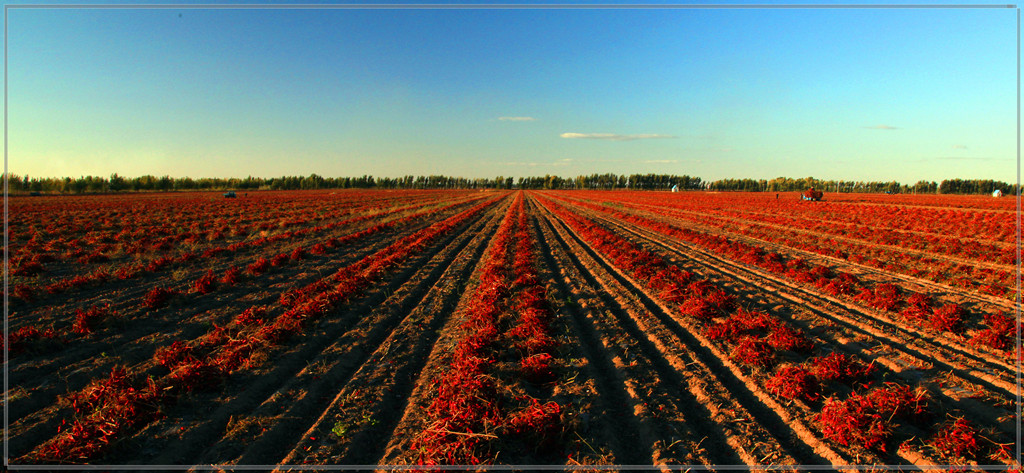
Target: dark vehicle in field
(811, 194)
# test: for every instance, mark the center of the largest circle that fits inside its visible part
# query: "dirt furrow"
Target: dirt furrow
(257, 425)
(918, 233)
(72, 369)
(301, 382)
(933, 207)
(352, 429)
(854, 241)
(754, 426)
(125, 295)
(631, 439)
(44, 423)
(922, 347)
(860, 268)
(47, 304)
(131, 339)
(961, 383)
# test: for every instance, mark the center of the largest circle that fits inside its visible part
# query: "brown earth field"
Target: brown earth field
(576, 330)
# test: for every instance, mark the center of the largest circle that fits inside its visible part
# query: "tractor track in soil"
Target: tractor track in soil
(573, 398)
(905, 352)
(281, 400)
(944, 351)
(608, 404)
(27, 429)
(609, 341)
(410, 415)
(652, 212)
(692, 361)
(382, 384)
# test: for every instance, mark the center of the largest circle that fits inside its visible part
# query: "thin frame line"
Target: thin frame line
(7, 402)
(543, 6)
(1017, 308)
(212, 467)
(492, 7)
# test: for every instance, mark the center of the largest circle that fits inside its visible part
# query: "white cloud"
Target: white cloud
(517, 119)
(882, 127)
(660, 161)
(959, 146)
(613, 136)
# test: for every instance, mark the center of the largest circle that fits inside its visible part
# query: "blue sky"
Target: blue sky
(865, 94)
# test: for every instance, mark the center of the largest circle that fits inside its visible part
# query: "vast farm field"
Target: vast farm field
(511, 327)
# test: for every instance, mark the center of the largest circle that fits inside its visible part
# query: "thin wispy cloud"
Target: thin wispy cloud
(959, 146)
(968, 158)
(660, 161)
(517, 119)
(603, 161)
(614, 136)
(882, 127)
(534, 164)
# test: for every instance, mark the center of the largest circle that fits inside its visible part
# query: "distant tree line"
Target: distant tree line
(612, 181)
(117, 183)
(149, 183)
(784, 184)
(974, 186)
